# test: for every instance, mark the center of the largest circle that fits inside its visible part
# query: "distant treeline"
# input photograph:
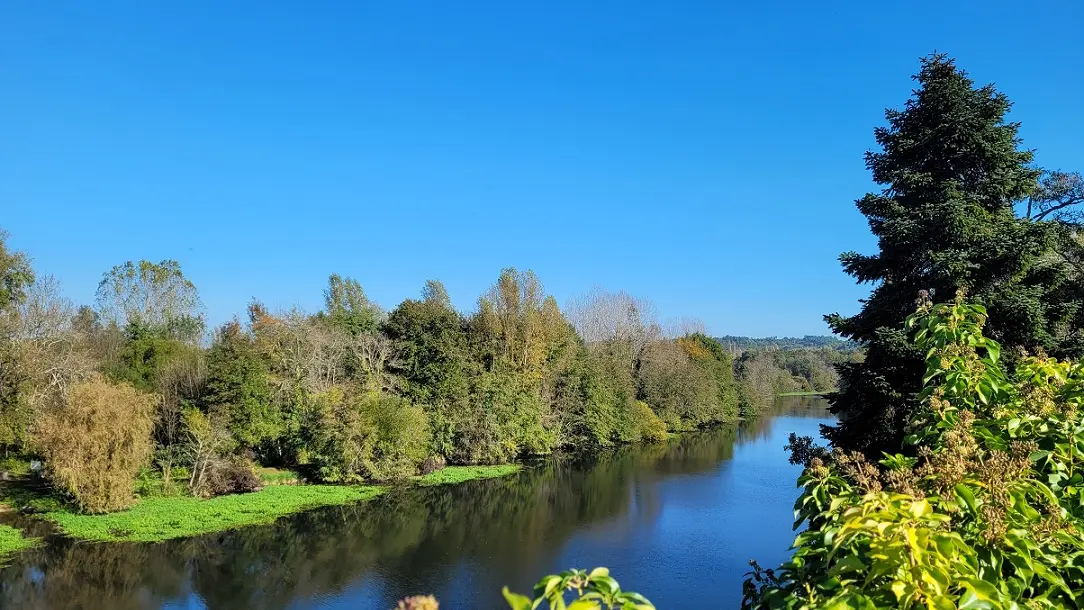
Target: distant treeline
(736, 344)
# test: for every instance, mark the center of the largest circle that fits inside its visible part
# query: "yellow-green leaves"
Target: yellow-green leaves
(594, 590)
(990, 513)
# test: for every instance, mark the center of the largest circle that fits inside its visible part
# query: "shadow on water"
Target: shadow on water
(662, 517)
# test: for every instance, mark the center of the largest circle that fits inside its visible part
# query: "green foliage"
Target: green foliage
(146, 351)
(153, 296)
(594, 590)
(239, 385)
(433, 359)
(988, 515)
(508, 420)
(13, 541)
(737, 344)
(16, 275)
(952, 172)
(460, 474)
(371, 436)
(96, 441)
(347, 307)
(156, 519)
(641, 424)
(760, 379)
(345, 395)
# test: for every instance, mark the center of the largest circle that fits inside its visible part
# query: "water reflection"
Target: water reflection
(676, 522)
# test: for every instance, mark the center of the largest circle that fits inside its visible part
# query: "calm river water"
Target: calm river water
(677, 523)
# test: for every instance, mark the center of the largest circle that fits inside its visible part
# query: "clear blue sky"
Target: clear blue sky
(705, 155)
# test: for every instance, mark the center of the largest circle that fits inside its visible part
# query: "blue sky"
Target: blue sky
(705, 155)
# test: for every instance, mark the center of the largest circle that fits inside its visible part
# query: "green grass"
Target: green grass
(12, 541)
(459, 474)
(275, 476)
(159, 517)
(156, 519)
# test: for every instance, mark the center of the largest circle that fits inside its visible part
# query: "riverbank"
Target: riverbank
(154, 519)
(12, 541)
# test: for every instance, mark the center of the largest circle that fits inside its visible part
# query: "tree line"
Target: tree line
(103, 392)
(738, 344)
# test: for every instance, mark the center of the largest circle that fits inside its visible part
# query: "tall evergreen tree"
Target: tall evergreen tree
(952, 171)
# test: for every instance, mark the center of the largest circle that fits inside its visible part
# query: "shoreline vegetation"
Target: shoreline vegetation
(158, 518)
(143, 424)
(12, 541)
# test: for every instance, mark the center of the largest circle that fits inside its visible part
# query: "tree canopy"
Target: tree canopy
(953, 173)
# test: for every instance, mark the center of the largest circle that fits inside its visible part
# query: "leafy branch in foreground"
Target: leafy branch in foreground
(596, 590)
(984, 510)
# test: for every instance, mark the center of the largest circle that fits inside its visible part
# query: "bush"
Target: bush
(648, 427)
(983, 512)
(233, 475)
(96, 441)
(372, 436)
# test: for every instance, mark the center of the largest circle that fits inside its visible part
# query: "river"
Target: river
(676, 522)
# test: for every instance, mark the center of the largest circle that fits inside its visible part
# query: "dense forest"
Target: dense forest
(103, 392)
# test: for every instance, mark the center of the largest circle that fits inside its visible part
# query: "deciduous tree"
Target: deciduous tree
(95, 441)
(156, 296)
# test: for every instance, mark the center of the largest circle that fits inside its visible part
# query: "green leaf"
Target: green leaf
(605, 585)
(551, 583)
(516, 601)
(978, 597)
(849, 563)
(967, 497)
(584, 604)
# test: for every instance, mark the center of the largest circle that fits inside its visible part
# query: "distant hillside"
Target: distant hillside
(738, 344)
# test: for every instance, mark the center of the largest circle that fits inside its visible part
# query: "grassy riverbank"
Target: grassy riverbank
(12, 541)
(154, 519)
(459, 474)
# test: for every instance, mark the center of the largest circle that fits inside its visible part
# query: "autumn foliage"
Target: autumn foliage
(95, 441)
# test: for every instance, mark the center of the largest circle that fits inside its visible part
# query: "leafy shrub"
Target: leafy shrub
(983, 512)
(646, 425)
(233, 475)
(596, 590)
(682, 393)
(152, 483)
(96, 441)
(372, 436)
